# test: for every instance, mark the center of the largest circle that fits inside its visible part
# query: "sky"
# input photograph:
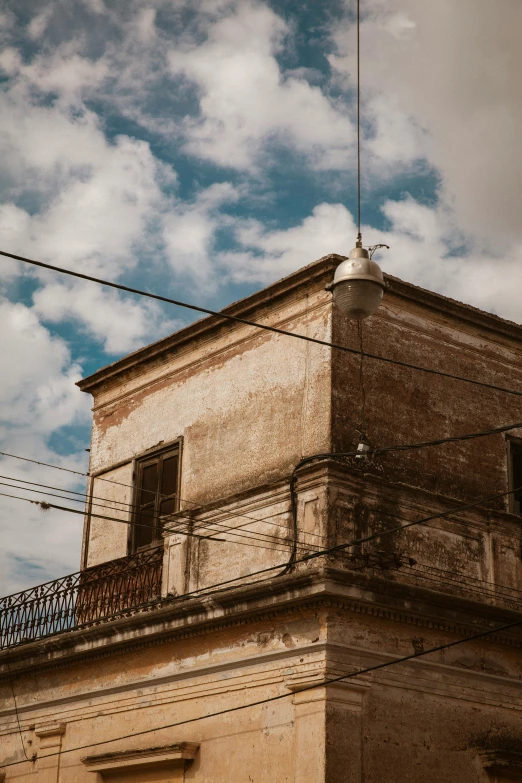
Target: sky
(205, 148)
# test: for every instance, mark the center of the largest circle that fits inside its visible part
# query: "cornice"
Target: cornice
(423, 298)
(267, 298)
(299, 593)
(251, 307)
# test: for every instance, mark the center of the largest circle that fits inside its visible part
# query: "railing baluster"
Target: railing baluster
(82, 599)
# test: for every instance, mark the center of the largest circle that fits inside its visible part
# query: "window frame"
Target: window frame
(176, 448)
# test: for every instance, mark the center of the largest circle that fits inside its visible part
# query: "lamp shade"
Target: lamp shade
(358, 285)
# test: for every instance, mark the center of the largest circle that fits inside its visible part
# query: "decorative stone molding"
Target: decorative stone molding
(50, 734)
(175, 620)
(315, 685)
(303, 681)
(167, 757)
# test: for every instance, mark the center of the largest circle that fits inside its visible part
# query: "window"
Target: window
(156, 495)
(515, 474)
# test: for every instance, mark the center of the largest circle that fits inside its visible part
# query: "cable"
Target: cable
(16, 712)
(46, 506)
(292, 560)
(304, 461)
(246, 322)
(254, 534)
(321, 553)
(347, 545)
(130, 486)
(410, 446)
(293, 556)
(231, 584)
(270, 699)
(362, 413)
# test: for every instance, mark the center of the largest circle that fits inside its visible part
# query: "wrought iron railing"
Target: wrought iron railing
(79, 600)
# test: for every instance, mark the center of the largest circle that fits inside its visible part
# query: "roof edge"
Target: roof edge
(241, 307)
(280, 288)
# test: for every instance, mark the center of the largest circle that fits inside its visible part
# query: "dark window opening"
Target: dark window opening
(156, 495)
(515, 471)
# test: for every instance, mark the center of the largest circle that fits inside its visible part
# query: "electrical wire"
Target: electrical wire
(362, 413)
(266, 327)
(285, 567)
(304, 461)
(11, 683)
(310, 555)
(130, 486)
(340, 547)
(328, 681)
(46, 506)
(254, 534)
(411, 446)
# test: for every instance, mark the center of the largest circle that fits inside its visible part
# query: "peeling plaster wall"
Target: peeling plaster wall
(247, 405)
(408, 406)
(430, 719)
(137, 691)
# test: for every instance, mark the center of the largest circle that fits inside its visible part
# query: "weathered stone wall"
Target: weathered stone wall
(430, 719)
(408, 406)
(247, 405)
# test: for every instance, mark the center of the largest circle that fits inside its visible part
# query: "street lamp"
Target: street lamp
(358, 284)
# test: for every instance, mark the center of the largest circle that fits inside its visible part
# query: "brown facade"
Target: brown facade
(133, 692)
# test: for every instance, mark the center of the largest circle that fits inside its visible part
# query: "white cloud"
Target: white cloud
(215, 89)
(452, 69)
(189, 230)
(119, 325)
(38, 23)
(41, 377)
(38, 396)
(269, 254)
(95, 206)
(246, 101)
(423, 243)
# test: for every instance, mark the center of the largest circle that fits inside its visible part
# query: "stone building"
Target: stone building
(197, 595)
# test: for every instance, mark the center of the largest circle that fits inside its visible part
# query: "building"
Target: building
(210, 601)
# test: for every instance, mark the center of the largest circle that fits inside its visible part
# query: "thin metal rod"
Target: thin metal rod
(359, 236)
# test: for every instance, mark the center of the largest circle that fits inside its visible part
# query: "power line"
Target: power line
(11, 683)
(340, 547)
(295, 561)
(412, 446)
(268, 700)
(46, 506)
(130, 486)
(254, 534)
(304, 461)
(266, 327)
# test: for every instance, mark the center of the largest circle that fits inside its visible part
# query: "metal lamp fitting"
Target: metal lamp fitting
(358, 285)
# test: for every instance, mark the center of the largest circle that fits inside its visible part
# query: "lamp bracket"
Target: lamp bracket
(373, 248)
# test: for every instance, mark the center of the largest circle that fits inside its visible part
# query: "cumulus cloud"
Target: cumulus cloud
(424, 249)
(267, 254)
(246, 101)
(38, 397)
(119, 325)
(451, 70)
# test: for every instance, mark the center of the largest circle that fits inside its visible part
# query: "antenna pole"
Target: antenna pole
(359, 235)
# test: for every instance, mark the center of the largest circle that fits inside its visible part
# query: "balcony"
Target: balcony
(86, 598)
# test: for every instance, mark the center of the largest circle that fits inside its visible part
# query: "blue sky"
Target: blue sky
(205, 148)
